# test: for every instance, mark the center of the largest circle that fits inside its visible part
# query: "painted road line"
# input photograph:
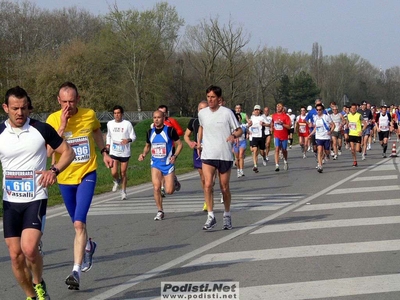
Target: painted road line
(294, 252)
(376, 178)
(384, 167)
(112, 291)
(324, 289)
(128, 210)
(328, 224)
(341, 205)
(366, 189)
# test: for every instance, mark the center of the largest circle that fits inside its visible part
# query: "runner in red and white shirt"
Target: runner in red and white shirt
(302, 130)
(281, 124)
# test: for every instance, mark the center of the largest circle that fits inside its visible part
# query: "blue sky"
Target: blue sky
(368, 28)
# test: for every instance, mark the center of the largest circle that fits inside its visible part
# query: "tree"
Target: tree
(142, 40)
(303, 91)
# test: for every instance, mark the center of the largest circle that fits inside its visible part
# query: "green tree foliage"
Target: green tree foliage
(302, 91)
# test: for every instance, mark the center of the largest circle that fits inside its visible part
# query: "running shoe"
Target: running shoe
(255, 169)
(362, 157)
(73, 281)
(319, 169)
(339, 152)
(266, 158)
(123, 196)
(205, 206)
(227, 223)
(41, 291)
(369, 147)
(276, 168)
(116, 184)
(290, 146)
(88, 257)
(210, 223)
(335, 157)
(384, 155)
(177, 185)
(163, 192)
(355, 164)
(304, 155)
(264, 162)
(285, 165)
(159, 216)
(239, 174)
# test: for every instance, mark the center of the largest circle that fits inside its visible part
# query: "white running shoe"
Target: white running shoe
(264, 162)
(123, 195)
(116, 184)
(362, 156)
(159, 216)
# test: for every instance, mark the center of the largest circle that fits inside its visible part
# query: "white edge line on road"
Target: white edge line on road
(156, 271)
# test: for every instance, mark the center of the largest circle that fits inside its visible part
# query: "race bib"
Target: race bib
(384, 127)
(320, 129)
(352, 126)
(278, 126)
(159, 150)
(255, 130)
(118, 147)
(81, 148)
(302, 128)
(20, 184)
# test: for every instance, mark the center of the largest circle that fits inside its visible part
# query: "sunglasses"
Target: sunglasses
(319, 109)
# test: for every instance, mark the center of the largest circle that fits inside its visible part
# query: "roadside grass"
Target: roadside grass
(138, 172)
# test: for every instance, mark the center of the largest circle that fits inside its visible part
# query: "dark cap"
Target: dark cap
(364, 103)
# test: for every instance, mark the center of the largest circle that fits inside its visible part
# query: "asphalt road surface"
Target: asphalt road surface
(297, 234)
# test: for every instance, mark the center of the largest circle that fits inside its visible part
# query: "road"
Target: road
(298, 234)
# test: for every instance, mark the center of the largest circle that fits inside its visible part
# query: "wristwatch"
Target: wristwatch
(105, 149)
(54, 170)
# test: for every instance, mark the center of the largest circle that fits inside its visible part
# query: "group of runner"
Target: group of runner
(321, 130)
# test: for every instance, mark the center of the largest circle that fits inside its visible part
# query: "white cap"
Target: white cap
(309, 107)
(289, 110)
(257, 107)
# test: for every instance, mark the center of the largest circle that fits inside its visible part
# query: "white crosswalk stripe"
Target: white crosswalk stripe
(335, 287)
(179, 204)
